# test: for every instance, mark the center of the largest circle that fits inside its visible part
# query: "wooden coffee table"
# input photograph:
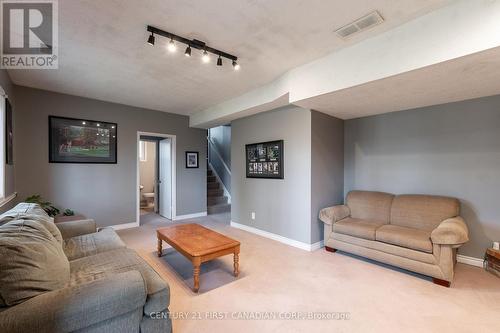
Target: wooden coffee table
(199, 245)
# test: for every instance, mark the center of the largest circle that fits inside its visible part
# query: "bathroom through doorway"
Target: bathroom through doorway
(156, 180)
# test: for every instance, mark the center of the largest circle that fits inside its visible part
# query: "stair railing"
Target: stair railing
(218, 165)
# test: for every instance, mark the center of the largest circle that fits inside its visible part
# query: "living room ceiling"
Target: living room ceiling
(103, 52)
(447, 55)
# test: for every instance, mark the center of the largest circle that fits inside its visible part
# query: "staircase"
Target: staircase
(216, 201)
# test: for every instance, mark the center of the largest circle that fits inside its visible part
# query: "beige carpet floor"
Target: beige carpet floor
(282, 281)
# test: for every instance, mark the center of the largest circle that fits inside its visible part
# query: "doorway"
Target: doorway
(156, 186)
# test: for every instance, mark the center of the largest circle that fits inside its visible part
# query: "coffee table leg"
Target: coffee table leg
(236, 263)
(159, 247)
(196, 275)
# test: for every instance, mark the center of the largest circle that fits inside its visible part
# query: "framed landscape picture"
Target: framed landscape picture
(192, 159)
(82, 141)
(265, 160)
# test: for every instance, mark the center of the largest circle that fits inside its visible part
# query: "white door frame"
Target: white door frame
(174, 172)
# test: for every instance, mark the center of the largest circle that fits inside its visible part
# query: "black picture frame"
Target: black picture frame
(9, 134)
(75, 140)
(192, 160)
(265, 160)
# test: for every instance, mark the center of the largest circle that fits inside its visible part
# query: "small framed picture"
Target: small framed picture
(192, 160)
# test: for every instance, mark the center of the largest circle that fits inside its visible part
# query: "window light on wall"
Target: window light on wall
(3, 98)
(142, 151)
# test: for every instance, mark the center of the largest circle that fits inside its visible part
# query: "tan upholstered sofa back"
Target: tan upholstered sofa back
(370, 205)
(424, 212)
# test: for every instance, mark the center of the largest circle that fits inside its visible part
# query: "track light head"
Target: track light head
(219, 61)
(236, 66)
(151, 39)
(187, 53)
(205, 57)
(171, 46)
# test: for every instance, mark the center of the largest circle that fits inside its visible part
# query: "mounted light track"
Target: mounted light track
(194, 43)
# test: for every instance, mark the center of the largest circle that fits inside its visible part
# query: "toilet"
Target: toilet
(147, 198)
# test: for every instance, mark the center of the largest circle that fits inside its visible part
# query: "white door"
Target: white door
(165, 178)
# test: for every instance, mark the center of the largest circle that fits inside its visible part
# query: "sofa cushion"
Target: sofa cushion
(424, 212)
(396, 250)
(23, 208)
(86, 245)
(370, 205)
(31, 211)
(32, 261)
(122, 260)
(410, 238)
(357, 227)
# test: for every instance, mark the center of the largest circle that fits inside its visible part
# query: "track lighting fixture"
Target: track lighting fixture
(194, 43)
(171, 46)
(205, 57)
(151, 39)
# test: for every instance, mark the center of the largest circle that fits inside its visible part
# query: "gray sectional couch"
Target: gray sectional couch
(70, 277)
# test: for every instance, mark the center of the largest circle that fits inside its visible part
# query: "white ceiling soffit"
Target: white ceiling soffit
(418, 48)
(468, 77)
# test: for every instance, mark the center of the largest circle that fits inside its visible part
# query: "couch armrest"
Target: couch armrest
(76, 228)
(451, 232)
(76, 307)
(333, 214)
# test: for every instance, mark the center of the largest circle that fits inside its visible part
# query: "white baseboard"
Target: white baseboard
(281, 239)
(189, 216)
(125, 226)
(317, 245)
(478, 262)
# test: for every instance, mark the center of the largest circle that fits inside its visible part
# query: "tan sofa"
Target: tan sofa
(419, 233)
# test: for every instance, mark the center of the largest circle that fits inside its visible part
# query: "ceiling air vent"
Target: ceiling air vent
(363, 23)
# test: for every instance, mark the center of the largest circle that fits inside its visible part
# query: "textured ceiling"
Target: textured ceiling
(103, 52)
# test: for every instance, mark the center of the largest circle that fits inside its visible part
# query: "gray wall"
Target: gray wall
(282, 206)
(6, 84)
(451, 149)
(104, 192)
(327, 167)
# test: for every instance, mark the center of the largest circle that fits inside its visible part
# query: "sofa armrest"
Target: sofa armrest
(76, 307)
(451, 232)
(333, 214)
(76, 228)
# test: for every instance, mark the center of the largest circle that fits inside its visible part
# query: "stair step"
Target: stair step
(213, 186)
(215, 192)
(216, 200)
(220, 208)
(211, 179)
